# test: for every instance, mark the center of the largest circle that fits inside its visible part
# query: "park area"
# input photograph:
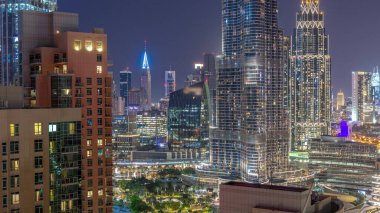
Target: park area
(165, 193)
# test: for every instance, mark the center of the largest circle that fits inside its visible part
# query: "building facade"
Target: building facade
(249, 92)
(71, 71)
(189, 119)
(170, 83)
(125, 85)
(41, 160)
(340, 102)
(10, 70)
(361, 96)
(310, 76)
(151, 126)
(344, 164)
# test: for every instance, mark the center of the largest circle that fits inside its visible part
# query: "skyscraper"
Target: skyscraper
(361, 95)
(339, 100)
(310, 76)
(170, 83)
(125, 85)
(188, 119)
(146, 84)
(250, 108)
(10, 70)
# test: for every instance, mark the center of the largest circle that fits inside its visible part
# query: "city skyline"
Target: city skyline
(127, 45)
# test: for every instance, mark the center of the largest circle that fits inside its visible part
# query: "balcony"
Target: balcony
(60, 60)
(35, 61)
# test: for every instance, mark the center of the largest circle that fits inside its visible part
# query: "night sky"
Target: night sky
(178, 32)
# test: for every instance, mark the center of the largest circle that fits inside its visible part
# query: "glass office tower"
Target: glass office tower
(188, 119)
(10, 66)
(310, 76)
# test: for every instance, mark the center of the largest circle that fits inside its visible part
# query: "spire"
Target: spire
(145, 65)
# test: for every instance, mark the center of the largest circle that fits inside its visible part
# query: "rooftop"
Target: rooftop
(263, 186)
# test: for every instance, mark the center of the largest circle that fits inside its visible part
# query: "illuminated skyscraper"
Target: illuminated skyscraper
(310, 76)
(146, 84)
(125, 85)
(252, 135)
(361, 95)
(10, 70)
(170, 83)
(339, 100)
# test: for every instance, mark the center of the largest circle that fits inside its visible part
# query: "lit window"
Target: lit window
(100, 142)
(99, 46)
(64, 68)
(89, 153)
(39, 195)
(89, 142)
(15, 165)
(52, 128)
(13, 129)
(89, 193)
(88, 45)
(99, 69)
(71, 128)
(100, 192)
(37, 128)
(77, 45)
(15, 198)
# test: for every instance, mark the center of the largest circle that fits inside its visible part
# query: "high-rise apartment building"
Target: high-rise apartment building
(41, 157)
(170, 83)
(252, 138)
(146, 84)
(69, 69)
(310, 76)
(125, 78)
(361, 95)
(340, 100)
(10, 70)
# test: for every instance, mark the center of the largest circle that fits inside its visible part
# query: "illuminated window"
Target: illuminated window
(15, 165)
(89, 153)
(71, 128)
(99, 69)
(77, 45)
(15, 198)
(37, 128)
(100, 142)
(52, 128)
(39, 195)
(64, 68)
(14, 129)
(89, 142)
(89, 193)
(99, 46)
(100, 192)
(88, 45)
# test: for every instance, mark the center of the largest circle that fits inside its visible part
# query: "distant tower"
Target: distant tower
(339, 100)
(146, 83)
(170, 83)
(361, 91)
(125, 84)
(310, 76)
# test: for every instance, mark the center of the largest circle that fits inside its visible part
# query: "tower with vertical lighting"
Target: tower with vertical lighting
(310, 76)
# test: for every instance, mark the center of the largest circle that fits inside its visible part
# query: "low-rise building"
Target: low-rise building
(248, 198)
